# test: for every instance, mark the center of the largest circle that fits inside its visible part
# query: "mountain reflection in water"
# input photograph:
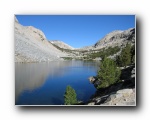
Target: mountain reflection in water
(45, 83)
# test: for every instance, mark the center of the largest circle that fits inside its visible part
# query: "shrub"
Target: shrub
(70, 96)
(108, 73)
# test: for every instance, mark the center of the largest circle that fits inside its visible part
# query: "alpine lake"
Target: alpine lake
(45, 83)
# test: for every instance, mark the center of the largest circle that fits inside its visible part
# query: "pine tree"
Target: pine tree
(70, 96)
(108, 73)
(125, 56)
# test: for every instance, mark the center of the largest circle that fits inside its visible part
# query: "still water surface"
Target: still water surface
(45, 83)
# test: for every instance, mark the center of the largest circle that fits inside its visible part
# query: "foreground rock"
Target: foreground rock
(92, 79)
(122, 97)
(31, 45)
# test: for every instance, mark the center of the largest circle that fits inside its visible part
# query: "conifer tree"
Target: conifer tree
(70, 96)
(108, 73)
(125, 56)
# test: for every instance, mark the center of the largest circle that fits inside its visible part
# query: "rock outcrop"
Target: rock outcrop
(31, 45)
(123, 97)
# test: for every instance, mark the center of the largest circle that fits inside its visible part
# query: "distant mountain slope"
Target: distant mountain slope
(31, 45)
(61, 44)
(116, 38)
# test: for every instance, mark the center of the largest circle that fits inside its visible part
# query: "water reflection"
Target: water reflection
(30, 76)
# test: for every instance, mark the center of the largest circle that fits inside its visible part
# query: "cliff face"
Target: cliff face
(31, 45)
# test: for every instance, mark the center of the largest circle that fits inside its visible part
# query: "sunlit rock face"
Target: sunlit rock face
(31, 45)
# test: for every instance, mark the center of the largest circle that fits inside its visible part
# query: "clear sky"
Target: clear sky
(77, 30)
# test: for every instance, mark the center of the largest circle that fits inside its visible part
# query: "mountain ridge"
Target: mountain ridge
(114, 38)
(31, 45)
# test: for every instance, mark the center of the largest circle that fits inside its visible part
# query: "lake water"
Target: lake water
(45, 83)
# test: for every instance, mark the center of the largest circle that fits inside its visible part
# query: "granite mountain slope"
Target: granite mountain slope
(31, 45)
(117, 38)
(114, 38)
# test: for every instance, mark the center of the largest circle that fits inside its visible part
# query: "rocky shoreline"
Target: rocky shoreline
(122, 97)
(122, 93)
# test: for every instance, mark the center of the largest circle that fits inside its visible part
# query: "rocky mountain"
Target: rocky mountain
(116, 38)
(61, 44)
(31, 45)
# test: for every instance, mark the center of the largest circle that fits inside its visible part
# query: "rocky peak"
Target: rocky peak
(31, 45)
(29, 31)
(116, 38)
(35, 32)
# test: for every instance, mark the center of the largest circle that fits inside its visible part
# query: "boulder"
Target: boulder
(92, 79)
(123, 97)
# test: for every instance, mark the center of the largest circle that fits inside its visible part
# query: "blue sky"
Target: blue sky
(77, 30)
